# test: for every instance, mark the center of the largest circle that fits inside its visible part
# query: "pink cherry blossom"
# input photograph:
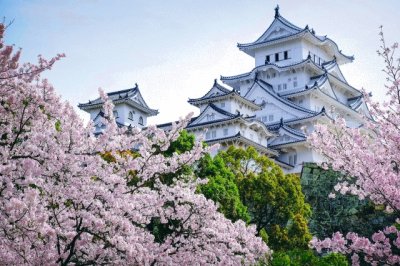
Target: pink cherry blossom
(370, 159)
(62, 203)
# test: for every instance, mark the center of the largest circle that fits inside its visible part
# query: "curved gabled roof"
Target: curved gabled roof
(130, 96)
(286, 128)
(241, 138)
(227, 116)
(215, 90)
(268, 89)
(269, 66)
(306, 62)
(292, 32)
(299, 119)
(219, 92)
(297, 136)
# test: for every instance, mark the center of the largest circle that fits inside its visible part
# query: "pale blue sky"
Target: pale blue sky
(175, 49)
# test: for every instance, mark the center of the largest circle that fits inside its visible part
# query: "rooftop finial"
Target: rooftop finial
(136, 85)
(256, 75)
(281, 123)
(215, 81)
(277, 11)
(323, 109)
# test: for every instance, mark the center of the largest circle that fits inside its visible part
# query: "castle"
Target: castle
(296, 83)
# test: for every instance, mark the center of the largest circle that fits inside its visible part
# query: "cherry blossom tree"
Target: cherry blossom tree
(370, 159)
(63, 201)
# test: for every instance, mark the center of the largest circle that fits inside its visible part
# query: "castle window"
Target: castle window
(276, 57)
(284, 86)
(115, 114)
(279, 87)
(285, 55)
(264, 119)
(225, 132)
(222, 104)
(208, 135)
(267, 59)
(130, 116)
(271, 118)
(214, 134)
(141, 121)
(210, 117)
(294, 84)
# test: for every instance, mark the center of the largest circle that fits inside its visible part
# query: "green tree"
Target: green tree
(307, 258)
(274, 201)
(342, 213)
(221, 188)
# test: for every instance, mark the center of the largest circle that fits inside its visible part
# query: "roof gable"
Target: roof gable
(333, 68)
(270, 96)
(287, 135)
(212, 114)
(216, 90)
(277, 29)
(131, 96)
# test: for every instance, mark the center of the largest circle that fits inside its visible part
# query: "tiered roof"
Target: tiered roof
(270, 91)
(131, 96)
(294, 136)
(281, 30)
(240, 138)
(218, 93)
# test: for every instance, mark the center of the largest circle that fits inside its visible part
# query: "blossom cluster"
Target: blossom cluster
(370, 159)
(62, 203)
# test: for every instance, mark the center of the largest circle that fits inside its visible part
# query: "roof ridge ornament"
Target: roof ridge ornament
(215, 82)
(277, 11)
(323, 109)
(281, 122)
(306, 28)
(136, 86)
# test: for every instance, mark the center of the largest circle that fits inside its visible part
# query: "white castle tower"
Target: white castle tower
(230, 119)
(296, 83)
(130, 109)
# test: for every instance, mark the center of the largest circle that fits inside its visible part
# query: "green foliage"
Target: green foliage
(183, 143)
(274, 200)
(221, 188)
(307, 258)
(58, 125)
(344, 213)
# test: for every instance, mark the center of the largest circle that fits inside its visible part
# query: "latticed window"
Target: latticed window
(141, 121)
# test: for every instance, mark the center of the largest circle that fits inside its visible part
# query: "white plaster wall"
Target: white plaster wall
(94, 113)
(272, 109)
(309, 47)
(294, 52)
(123, 113)
(233, 107)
